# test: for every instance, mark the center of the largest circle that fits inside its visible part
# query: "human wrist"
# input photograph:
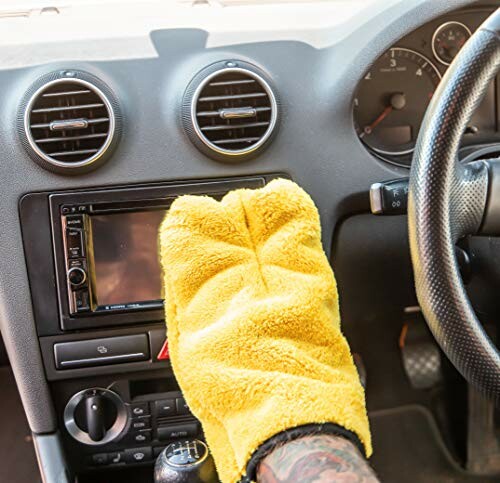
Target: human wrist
(315, 458)
(295, 434)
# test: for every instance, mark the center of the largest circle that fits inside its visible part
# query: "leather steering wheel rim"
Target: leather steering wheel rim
(448, 200)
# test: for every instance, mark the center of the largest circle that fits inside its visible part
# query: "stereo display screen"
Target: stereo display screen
(126, 257)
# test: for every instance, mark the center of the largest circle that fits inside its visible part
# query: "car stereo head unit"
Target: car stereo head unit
(106, 250)
(112, 258)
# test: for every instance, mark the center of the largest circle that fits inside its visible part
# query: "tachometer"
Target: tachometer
(391, 100)
(448, 39)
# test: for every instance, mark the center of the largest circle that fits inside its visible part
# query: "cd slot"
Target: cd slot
(121, 206)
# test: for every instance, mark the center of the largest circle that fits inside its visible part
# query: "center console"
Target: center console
(96, 286)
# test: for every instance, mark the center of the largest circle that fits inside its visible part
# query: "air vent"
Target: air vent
(69, 122)
(231, 109)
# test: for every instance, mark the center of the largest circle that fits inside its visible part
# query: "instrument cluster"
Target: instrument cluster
(392, 98)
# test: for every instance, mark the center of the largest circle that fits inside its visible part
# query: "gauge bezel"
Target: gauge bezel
(381, 152)
(435, 34)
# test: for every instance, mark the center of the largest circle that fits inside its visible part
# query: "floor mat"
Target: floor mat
(18, 455)
(408, 447)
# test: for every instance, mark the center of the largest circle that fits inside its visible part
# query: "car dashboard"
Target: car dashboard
(111, 111)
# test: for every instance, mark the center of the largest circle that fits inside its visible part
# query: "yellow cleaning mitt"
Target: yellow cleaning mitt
(253, 321)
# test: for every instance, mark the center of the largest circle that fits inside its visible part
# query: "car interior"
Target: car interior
(387, 112)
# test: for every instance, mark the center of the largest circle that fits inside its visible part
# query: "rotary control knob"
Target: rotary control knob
(77, 276)
(185, 462)
(95, 416)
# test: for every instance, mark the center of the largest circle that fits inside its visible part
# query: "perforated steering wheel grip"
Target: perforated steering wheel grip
(449, 200)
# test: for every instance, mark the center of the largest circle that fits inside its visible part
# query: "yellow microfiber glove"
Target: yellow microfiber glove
(253, 321)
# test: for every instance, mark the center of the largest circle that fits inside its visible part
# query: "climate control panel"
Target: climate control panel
(115, 432)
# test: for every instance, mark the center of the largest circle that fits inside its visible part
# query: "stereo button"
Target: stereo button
(81, 300)
(74, 222)
(77, 276)
(74, 243)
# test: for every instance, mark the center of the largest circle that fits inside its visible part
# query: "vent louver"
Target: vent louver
(69, 123)
(232, 110)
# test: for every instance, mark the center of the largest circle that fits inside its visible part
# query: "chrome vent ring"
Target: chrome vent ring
(230, 111)
(69, 121)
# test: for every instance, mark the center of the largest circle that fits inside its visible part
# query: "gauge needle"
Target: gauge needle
(397, 102)
(369, 129)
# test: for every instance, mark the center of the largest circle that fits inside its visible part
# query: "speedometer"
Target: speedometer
(391, 101)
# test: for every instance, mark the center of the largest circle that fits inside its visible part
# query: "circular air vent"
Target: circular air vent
(230, 110)
(69, 120)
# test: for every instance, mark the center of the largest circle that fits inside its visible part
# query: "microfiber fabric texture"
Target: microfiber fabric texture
(253, 321)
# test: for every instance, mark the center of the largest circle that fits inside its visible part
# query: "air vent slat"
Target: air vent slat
(234, 110)
(67, 93)
(71, 138)
(232, 97)
(225, 127)
(71, 123)
(235, 141)
(232, 83)
(66, 108)
(74, 153)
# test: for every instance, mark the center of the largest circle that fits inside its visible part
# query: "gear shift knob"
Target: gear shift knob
(185, 462)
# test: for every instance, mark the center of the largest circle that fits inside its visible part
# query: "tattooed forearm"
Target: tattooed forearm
(319, 459)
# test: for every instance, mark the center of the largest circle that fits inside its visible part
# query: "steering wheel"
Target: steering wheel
(449, 200)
